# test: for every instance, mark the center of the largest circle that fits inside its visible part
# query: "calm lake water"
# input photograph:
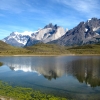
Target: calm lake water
(76, 77)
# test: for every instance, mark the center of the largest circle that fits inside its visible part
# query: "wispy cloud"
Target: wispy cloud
(16, 6)
(83, 6)
(10, 5)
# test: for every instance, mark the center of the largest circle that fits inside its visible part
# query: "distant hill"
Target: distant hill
(4, 46)
(38, 49)
(43, 48)
(6, 49)
(48, 49)
(86, 49)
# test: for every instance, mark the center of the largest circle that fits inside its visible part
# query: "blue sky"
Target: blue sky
(30, 15)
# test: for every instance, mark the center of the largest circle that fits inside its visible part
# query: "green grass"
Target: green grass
(38, 49)
(86, 49)
(48, 49)
(6, 49)
(21, 93)
(4, 46)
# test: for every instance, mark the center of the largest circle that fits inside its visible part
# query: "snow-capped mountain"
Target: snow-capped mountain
(18, 39)
(84, 33)
(48, 33)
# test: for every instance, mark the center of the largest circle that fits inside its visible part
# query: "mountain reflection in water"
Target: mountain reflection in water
(85, 70)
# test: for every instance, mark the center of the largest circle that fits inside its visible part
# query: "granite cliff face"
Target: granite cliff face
(84, 33)
(48, 33)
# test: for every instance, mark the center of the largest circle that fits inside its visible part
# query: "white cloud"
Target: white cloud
(81, 5)
(11, 5)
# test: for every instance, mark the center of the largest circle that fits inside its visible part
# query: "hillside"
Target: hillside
(6, 49)
(38, 49)
(48, 49)
(5, 46)
(86, 49)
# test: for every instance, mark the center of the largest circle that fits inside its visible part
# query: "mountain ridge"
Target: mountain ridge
(49, 33)
(84, 33)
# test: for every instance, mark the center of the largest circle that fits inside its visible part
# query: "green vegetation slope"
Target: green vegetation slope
(48, 49)
(6, 49)
(4, 46)
(38, 49)
(21, 93)
(86, 49)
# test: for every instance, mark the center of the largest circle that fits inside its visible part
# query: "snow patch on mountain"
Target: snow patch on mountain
(24, 33)
(97, 30)
(86, 29)
(89, 20)
(17, 39)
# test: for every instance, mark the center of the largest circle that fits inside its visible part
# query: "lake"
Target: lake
(74, 77)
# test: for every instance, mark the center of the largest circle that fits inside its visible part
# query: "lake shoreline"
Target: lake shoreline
(52, 55)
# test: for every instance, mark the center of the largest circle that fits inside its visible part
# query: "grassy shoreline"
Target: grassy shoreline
(39, 55)
(23, 93)
(43, 49)
(51, 55)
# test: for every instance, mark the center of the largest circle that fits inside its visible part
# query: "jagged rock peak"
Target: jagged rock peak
(13, 33)
(50, 25)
